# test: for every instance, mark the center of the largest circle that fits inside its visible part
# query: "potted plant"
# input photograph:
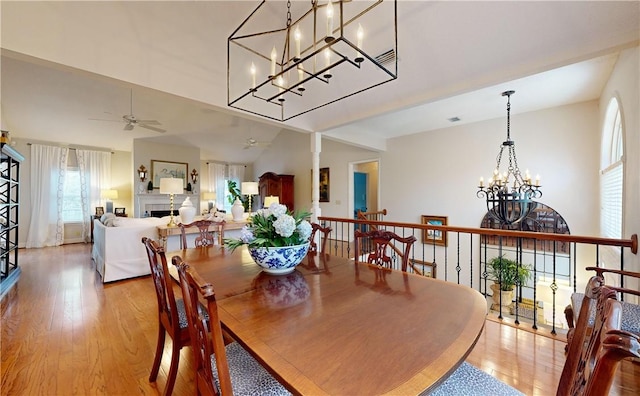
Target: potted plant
(234, 193)
(506, 273)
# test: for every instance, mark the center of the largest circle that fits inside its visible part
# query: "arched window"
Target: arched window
(611, 180)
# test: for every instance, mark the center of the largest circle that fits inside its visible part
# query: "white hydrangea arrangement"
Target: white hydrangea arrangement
(273, 227)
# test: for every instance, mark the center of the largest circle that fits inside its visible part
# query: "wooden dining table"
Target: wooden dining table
(338, 328)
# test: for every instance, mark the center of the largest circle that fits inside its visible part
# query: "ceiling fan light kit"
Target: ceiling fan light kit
(285, 62)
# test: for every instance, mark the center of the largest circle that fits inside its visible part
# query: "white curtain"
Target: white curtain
(95, 175)
(217, 177)
(48, 168)
(236, 173)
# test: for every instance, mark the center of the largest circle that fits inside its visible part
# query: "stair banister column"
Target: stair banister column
(316, 148)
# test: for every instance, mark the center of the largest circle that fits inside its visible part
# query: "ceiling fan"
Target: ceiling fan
(251, 142)
(131, 121)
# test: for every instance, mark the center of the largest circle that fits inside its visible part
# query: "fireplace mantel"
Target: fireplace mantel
(157, 201)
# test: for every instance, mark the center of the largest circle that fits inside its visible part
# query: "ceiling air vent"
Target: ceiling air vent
(386, 57)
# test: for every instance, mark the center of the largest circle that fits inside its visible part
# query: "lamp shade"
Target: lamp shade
(171, 185)
(109, 194)
(271, 199)
(249, 188)
(209, 196)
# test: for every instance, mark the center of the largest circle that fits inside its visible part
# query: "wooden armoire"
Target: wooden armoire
(277, 185)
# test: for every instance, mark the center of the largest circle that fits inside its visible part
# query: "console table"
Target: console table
(165, 233)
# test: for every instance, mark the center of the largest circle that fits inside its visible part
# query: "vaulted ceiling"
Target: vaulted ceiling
(67, 66)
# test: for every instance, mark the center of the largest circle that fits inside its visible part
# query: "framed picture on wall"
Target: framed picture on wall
(99, 210)
(436, 237)
(324, 184)
(164, 169)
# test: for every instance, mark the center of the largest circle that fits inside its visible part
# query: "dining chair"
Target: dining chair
(630, 311)
(172, 318)
(313, 246)
(376, 245)
(204, 238)
(220, 370)
(592, 360)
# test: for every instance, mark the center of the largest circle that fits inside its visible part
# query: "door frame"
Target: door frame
(352, 166)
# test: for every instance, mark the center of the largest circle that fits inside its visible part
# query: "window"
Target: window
(72, 201)
(611, 182)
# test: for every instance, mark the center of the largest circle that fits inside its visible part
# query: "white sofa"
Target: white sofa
(118, 250)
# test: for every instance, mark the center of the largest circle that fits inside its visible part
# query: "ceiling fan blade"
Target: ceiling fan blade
(152, 128)
(103, 119)
(149, 122)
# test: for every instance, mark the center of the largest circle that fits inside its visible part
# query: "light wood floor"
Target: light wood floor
(65, 333)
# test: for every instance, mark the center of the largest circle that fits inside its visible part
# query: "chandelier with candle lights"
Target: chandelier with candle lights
(509, 194)
(283, 62)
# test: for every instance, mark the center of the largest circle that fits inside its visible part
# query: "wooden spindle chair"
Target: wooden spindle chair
(172, 317)
(220, 370)
(380, 241)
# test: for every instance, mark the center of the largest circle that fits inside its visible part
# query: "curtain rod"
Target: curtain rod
(72, 147)
(223, 163)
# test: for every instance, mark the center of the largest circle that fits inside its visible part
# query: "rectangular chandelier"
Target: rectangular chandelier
(289, 58)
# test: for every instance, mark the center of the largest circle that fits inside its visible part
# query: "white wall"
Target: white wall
(624, 84)
(437, 172)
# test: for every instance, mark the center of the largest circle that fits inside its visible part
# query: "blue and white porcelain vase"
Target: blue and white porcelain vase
(279, 260)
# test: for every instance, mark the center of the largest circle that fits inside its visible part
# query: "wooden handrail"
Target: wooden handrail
(631, 242)
(363, 215)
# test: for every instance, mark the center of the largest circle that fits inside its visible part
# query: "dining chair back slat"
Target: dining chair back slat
(378, 242)
(204, 237)
(325, 231)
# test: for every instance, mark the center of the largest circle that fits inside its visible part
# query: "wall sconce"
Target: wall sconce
(142, 173)
(194, 176)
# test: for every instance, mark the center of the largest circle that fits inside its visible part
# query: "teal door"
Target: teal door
(359, 192)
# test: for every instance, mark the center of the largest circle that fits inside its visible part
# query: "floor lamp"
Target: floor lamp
(171, 186)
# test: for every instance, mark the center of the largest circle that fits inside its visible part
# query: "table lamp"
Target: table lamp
(249, 188)
(171, 186)
(109, 195)
(271, 199)
(209, 197)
